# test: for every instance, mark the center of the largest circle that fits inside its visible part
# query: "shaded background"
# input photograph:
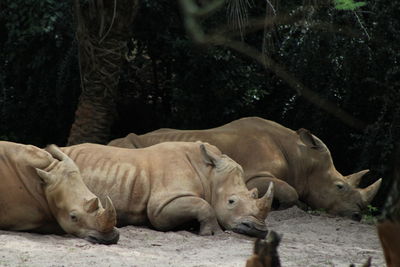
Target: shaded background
(170, 82)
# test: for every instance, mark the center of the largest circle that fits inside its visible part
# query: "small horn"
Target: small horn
(108, 218)
(46, 177)
(355, 178)
(92, 205)
(369, 193)
(269, 196)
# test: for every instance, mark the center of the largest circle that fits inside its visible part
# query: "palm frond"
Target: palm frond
(237, 13)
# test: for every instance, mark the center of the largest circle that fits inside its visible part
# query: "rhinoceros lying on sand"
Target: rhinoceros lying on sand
(299, 164)
(42, 192)
(172, 183)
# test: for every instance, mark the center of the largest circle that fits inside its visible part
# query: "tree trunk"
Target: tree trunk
(103, 29)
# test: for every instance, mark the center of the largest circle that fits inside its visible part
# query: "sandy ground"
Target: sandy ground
(307, 241)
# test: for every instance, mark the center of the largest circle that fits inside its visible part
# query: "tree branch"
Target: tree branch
(219, 38)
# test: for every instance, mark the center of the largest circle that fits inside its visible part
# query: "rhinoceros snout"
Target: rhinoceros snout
(105, 239)
(248, 228)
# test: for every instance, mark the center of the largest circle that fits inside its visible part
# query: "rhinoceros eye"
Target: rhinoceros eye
(232, 200)
(73, 217)
(340, 186)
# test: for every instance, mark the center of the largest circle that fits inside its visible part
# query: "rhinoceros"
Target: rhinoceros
(43, 192)
(299, 163)
(169, 184)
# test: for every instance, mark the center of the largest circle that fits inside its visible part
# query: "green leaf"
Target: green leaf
(348, 4)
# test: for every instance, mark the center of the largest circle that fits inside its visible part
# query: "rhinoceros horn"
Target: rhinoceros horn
(108, 218)
(355, 178)
(266, 200)
(369, 193)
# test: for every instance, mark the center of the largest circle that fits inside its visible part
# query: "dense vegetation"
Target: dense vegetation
(348, 57)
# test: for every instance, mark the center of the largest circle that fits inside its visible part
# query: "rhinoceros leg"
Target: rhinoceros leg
(283, 192)
(182, 210)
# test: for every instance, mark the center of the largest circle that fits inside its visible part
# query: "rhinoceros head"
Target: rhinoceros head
(77, 210)
(326, 187)
(237, 208)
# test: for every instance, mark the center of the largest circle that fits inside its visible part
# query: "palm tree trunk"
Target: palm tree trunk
(103, 29)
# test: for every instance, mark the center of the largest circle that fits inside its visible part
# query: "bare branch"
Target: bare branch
(220, 37)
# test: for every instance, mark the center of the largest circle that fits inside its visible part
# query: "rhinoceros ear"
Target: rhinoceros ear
(46, 177)
(208, 156)
(309, 140)
(56, 152)
(92, 205)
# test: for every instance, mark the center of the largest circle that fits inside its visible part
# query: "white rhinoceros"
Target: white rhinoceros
(299, 163)
(169, 184)
(43, 192)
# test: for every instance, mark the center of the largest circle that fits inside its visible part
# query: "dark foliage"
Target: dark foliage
(38, 71)
(169, 82)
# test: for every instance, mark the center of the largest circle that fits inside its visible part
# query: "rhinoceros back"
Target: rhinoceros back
(108, 171)
(252, 142)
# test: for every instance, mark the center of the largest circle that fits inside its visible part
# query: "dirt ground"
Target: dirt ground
(308, 240)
